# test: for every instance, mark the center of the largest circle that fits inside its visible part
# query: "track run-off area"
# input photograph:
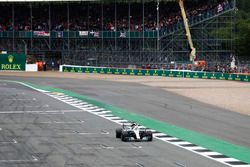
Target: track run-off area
(72, 122)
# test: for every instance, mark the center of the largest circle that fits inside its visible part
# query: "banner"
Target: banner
(155, 72)
(122, 34)
(11, 62)
(96, 34)
(59, 34)
(83, 33)
(41, 33)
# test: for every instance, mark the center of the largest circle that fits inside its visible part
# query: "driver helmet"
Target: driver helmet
(133, 125)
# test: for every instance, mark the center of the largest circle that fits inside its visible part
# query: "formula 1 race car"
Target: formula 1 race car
(131, 131)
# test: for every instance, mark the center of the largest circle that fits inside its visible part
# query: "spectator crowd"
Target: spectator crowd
(112, 17)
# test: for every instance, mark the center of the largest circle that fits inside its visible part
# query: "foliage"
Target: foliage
(242, 29)
(242, 42)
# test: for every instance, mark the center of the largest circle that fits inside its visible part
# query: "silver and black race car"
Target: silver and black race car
(131, 131)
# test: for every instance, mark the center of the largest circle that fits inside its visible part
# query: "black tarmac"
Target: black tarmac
(39, 131)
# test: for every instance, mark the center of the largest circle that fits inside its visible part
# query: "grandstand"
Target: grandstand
(117, 32)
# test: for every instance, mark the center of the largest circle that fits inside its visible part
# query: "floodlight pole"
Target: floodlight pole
(31, 25)
(188, 34)
(13, 27)
(158, 28)
(68, 16)
(143, 27)
(50, 26)
(25, 47)
(129, 30)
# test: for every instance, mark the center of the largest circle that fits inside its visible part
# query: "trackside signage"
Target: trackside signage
(13, 62)
(165, 73)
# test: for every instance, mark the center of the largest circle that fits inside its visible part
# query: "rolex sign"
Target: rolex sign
(13, 62)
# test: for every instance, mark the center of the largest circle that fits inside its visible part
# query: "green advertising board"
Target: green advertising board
(12, 62)
(155, 72)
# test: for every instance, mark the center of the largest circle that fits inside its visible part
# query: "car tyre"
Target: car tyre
(124, 137)
(149, 136)
(118, 132)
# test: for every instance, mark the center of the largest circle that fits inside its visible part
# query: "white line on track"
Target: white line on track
(106, 115)
(113, 118)
(33, 99)
(210, 153)
(39, 112)
(81, 104)
(103, 112)
(9, 142)
(228, 160)
(85, 133)
(160, 134)
(195, 148)
(34, 159)
(100, 147)
(60, 122)
(44, 106)
(121, 121)
(184, 142)
(179, 164)
(140, 165)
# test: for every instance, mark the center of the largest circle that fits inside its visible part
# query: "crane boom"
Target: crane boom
(188, 34)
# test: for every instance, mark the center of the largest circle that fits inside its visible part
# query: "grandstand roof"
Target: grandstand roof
(80, 0)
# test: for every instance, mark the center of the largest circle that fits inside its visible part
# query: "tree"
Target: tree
(242, 30)
(242, 41)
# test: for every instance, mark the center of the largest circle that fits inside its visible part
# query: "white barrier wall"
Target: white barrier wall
(31, 67)
(60, 68)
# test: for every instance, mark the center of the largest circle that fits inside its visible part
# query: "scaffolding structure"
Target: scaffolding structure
(160, 48)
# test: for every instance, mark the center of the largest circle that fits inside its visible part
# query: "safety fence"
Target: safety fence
(78, 34)
(156, 72)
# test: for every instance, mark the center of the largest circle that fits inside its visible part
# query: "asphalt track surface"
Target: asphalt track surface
(35, 138)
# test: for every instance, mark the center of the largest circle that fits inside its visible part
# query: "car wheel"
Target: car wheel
(124, 137)
(149, 136)
(118, 132)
